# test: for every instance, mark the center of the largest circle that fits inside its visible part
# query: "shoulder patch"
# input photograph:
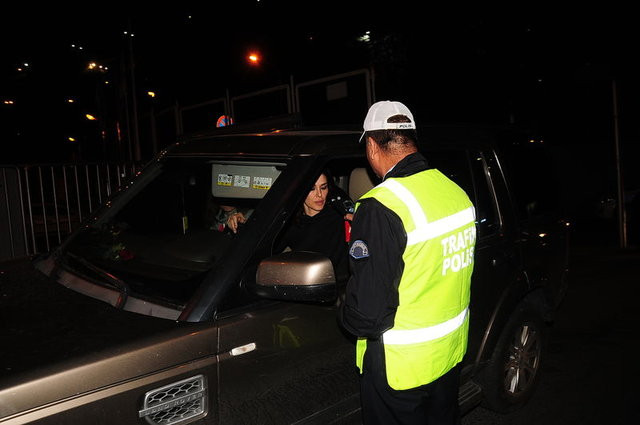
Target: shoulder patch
(359, 250)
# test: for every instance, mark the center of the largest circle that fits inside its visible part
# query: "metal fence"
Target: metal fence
(336, 99)
(42, 204)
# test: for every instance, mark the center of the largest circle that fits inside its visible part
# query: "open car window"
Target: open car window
(169, 233)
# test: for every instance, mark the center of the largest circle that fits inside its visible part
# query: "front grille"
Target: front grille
(177, 403)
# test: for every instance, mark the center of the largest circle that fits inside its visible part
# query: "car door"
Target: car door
(284, 362)
(496, 256)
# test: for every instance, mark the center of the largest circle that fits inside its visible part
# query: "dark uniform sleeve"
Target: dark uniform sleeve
(377, 243)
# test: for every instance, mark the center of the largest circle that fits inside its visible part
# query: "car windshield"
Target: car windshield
(161, 237)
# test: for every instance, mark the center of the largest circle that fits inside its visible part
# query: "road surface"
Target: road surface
(592, 369)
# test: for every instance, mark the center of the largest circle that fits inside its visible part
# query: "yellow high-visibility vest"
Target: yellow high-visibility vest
(429, 335)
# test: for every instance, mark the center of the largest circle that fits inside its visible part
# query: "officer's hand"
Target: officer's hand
(348, 217)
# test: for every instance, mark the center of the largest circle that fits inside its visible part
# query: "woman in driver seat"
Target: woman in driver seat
(318, 228)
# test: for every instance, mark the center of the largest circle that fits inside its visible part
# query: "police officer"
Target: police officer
(411, 256)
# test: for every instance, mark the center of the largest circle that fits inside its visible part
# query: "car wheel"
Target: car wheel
(514, 369)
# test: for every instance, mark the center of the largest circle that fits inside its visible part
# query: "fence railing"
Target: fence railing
(42, 204)
(334, 99)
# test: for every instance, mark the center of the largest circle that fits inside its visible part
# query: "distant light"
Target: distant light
(92, 65)
(90, 117)
(8, 102)
(365, 38)
(71, 139)
(70, 100)
(542, 235)
(253, 58)
(151, 94)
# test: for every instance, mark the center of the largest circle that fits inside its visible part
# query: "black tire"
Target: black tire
(513, 372)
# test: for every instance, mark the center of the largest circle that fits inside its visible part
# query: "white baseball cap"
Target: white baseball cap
(379, 113)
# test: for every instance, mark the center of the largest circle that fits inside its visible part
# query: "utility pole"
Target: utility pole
(621, 212)
(135, 134)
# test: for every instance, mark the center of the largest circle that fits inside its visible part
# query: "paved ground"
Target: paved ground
(592, 369)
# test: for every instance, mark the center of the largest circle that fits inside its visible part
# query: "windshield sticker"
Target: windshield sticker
(262, 182)
(224, 179)
(241, 181)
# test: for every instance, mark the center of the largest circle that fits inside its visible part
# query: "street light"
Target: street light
(254, 58)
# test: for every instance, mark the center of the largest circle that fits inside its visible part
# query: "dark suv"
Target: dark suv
(149, 313)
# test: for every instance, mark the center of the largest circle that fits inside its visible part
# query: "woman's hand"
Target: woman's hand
(234, 220)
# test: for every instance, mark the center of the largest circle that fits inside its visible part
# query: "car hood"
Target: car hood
(47, 329)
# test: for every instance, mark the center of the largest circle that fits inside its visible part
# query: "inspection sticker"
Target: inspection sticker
(262, 182)
(241, 181)
(225, 179)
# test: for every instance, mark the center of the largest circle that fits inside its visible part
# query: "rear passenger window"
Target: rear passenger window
(487, 218)
(468, 171)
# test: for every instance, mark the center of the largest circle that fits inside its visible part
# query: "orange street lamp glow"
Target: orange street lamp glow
(91, 117)
(253, 58)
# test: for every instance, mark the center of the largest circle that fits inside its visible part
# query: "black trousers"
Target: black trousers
(433, 404)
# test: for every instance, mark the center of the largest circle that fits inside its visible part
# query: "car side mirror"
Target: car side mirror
(296, 276)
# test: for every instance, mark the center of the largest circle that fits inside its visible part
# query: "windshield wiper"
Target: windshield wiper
(114, 281)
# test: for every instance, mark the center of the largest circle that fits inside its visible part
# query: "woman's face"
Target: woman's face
(317, 197)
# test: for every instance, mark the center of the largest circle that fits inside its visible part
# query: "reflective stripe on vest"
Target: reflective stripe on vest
(425, 230)
(416, 336)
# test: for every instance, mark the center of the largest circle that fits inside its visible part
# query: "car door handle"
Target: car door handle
(243, 349)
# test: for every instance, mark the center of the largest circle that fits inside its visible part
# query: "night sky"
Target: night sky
(542, 68)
